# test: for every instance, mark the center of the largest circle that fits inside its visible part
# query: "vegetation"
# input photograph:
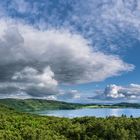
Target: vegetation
(30, 105)
(23, 126)
(126, 105)
(118, 105)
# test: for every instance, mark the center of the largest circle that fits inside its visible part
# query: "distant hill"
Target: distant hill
(30, 105)
(37, 104)
(5, 109)
(125, 104)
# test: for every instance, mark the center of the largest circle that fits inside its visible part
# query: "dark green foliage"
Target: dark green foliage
(29, 105)
(22, 126)
(123, 104)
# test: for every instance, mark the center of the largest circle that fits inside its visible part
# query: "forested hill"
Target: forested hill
(16, 125)
(37, 104)
(29, 105)
(127, 105)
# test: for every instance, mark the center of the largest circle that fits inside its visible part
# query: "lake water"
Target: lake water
(98, 112)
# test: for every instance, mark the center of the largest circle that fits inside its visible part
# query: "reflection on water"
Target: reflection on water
(98, 112)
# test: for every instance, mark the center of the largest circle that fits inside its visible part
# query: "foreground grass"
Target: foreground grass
(22, 126)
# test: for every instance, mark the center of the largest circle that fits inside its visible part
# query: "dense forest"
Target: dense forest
(16, 125)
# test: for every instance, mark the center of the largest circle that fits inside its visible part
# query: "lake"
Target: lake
(97, 112)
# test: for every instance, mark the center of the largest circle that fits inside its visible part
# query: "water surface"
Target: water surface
(97, 112)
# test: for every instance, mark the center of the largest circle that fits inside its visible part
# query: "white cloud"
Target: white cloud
(114, 92)
(41, 60)
(29, 74)
(46, 58)
(69, 55)
(108, 24)
(18, 95)
(51, 97)
(37, 83)
(68, 95)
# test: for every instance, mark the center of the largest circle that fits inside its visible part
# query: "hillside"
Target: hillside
(16, 125)
(29, 105)
(127, 105)
(37, 104)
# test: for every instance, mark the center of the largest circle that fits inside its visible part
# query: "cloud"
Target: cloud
(15, 96)
(36, 90)
(68, 95)
(70, 41)
(112, 91)
(111, 25)
(21, 6)
(44, 79)
(106, 23)
(69, 55)
(42, 59)
(35, 83)
(119, 93)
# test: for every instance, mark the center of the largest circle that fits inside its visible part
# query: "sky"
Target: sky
(74, 51)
